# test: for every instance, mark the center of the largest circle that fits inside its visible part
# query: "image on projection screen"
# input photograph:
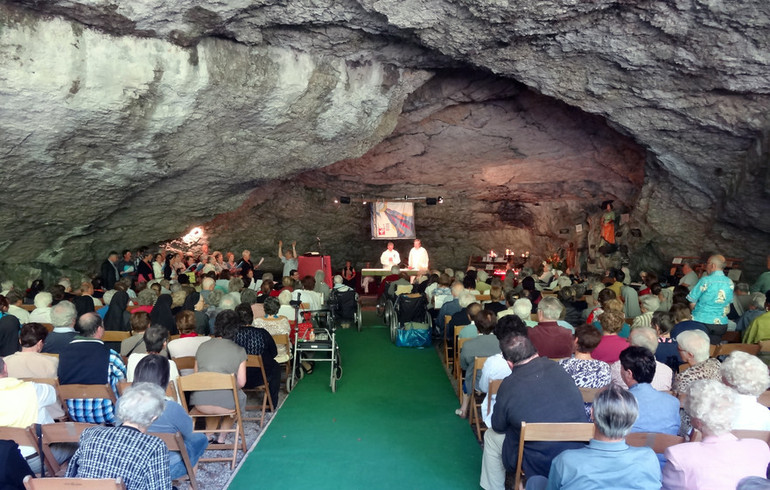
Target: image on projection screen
(392, 220)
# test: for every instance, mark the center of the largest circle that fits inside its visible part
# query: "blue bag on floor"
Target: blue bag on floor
(414, 334)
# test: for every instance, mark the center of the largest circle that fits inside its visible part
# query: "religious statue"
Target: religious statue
(608, 223)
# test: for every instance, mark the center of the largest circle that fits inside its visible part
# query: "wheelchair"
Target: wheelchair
(345, 308)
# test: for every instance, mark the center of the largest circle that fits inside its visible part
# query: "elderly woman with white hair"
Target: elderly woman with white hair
(720, 460)
(749, 377)
(649, 305)
(42, 311)
(694, 348)
(126, 450)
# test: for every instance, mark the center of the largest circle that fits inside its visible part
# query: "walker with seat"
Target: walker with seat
(316, 334)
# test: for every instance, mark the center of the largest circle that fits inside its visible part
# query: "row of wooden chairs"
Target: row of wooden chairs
(203, 381)
(70, 432)
(584, 432)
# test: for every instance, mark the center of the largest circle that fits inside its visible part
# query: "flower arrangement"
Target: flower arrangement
(555, 261)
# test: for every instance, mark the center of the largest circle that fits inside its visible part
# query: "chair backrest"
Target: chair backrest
(494, 385)
(478, 365)
(48, 326)
(762, 435)
(63, 432)
(115, 336)
(447, 319)
(764, 399)
(22, 437)
(590, 393)
(186, 362)
(654, 440)
(282, 339)
(712, 351)
(175, 442)
(207, 381)
(70, 392)
(480, 298)
(726, 349)
(170, 389)
(84, 483)
(556, 432)
(254, 361)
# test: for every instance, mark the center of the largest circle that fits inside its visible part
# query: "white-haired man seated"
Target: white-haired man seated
(720, 460)
(649, 304)
(749, 377)
(607, 461)
(126, 450)
(521, 307)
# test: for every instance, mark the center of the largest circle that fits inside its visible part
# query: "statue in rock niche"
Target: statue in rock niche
(608, 224)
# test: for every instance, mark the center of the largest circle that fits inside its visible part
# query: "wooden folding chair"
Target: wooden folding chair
(170, 389)
(187, 363)
(175, 442)
(590, 393)
(447, 362)
(762, 435)
(552, 432)
(59, 414)
(726, 349)
(654, 440)
(78, 392)
(27, 437)
(283, 339)
(84, 483)
(474, 418)
(60, 432)
(494, 386)
(115, 336)
(210, 382)
(48, 326)
(731, 337)
(256, 362)
(455, 335)
(458, 371)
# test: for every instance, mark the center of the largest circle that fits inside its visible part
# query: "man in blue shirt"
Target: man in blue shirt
(658, 411)
(607, 461)
(711, 297)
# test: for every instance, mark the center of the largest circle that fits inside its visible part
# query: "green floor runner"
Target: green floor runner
(391, 424)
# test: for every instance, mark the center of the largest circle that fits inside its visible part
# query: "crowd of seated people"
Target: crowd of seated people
(169, 308)
(653, 351)
(601, 332)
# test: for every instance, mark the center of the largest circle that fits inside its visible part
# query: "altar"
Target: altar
(386, 272)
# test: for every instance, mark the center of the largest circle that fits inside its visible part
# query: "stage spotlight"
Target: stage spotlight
(431, 201)
(364, 203)
(336, 201)
(440, 200)
(345, 200)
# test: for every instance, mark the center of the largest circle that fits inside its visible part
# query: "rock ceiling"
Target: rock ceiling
(125, 123)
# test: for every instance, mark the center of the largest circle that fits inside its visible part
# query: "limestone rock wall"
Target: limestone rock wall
(115, 141)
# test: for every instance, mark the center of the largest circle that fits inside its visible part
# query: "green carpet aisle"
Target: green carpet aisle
(391, 424)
